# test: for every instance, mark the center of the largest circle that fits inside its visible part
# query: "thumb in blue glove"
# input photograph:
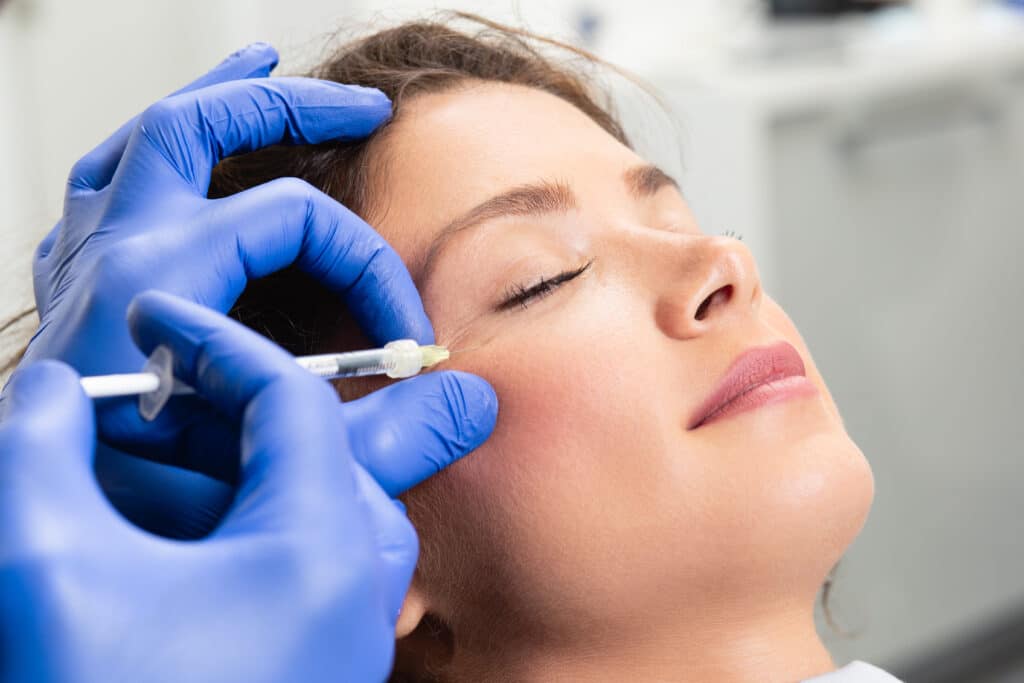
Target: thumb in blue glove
(299, 582)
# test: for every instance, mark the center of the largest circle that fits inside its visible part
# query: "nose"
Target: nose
(711, 280)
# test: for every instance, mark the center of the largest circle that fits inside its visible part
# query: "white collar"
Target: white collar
(855, 672)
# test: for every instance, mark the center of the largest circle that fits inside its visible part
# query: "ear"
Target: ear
(414, 608)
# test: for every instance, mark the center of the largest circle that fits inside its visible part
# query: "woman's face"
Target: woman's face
(600, 502)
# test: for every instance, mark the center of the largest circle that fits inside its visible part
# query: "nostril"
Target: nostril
(719, 296)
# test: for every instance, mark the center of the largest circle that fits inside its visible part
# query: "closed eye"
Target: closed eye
(521, 296)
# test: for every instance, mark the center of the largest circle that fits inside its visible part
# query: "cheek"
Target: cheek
(589, 466)
(568, 433)
(572, 470)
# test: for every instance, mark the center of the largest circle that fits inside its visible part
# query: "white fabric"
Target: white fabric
(855, 672)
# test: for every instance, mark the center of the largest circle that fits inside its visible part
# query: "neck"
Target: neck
(776, 645)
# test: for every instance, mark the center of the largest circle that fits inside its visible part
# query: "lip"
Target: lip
(759, 377)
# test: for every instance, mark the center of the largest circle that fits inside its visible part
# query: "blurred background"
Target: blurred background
(872, 155)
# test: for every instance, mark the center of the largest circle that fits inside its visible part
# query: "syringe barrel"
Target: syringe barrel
(352, 364)
(398, 359)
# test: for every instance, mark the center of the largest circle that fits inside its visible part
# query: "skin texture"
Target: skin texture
(594, 536)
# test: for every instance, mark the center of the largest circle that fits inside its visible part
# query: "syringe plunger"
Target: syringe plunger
(156, 383)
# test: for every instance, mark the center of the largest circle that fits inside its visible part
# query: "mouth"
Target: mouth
(759, 377)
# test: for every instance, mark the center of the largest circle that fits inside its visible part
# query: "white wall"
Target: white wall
(21, 211)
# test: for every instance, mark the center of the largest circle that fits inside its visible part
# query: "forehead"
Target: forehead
(448, 152)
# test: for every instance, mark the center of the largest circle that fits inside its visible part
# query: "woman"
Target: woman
(669, 482)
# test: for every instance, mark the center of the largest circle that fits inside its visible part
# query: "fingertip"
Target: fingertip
(401, 317)
(145, 300)
(412, 430)
(41, 381)
(424, 335)
(262, 55)
(48, 394)
(414, 323)
(475, 406)
(142, 310)
(368, 109)
(365, 95)
(256, 60)
(49, 430)
(365, 109)
(263, 48)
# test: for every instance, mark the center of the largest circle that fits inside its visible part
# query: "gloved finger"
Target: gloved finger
(95, 169)
(181, 138)
(395, 538)
(262, 230)
(225, 362)
(187, 434)
(413, 429)
(292, 439)
(162, 499)
(47, 436)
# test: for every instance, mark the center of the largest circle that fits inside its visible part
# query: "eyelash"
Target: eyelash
(521, 295)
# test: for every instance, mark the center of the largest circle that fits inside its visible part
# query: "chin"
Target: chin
(828, 498)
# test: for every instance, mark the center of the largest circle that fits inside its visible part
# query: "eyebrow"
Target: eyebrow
(644, 181)
(535, 199)
(540, 199)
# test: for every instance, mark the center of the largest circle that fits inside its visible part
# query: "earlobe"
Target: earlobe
(414, 608)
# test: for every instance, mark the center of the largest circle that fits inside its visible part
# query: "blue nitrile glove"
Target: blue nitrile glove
(136, 217)
(301, 582)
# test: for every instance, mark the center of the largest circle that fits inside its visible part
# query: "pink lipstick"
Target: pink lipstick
(759, 377)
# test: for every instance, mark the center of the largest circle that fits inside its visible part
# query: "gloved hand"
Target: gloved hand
(136, 217)
(301, 582)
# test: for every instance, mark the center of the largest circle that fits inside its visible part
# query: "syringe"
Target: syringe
(156, 383)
